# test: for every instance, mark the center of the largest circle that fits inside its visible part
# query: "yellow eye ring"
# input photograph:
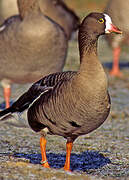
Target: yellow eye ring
(101, 20)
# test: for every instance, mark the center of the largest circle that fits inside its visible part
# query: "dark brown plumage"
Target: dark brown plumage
(55, 9)
(118, 10)
(70, 104)
(31, 46)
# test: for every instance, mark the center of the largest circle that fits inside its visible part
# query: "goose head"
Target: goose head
(98, 24)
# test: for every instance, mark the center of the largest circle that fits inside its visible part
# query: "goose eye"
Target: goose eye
(101, 20)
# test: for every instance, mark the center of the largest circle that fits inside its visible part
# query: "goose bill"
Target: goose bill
(115, 29)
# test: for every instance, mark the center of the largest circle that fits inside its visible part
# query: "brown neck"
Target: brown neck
(87, 44)
(89, 62)
(27, 6)
(91, 76)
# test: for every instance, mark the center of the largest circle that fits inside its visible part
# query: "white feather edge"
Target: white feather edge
(18, 119)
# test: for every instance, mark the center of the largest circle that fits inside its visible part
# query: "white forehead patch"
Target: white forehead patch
(108, 23)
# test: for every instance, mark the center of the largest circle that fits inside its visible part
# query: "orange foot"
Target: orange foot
(45, 164)
(69, 146)
(67, 169)
(116, 73)
(7, 93)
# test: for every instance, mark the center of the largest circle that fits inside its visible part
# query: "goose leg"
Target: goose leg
(69, 146)
(44, 161)
(7, 94)
(115, 68)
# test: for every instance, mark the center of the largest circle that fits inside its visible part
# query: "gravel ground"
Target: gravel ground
(102, 154)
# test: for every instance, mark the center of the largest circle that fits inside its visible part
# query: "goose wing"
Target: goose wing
(39, 88)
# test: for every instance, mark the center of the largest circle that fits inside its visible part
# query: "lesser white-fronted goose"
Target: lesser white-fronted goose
(31, 46)
(55, 9)
(70, 104)
(119, 12)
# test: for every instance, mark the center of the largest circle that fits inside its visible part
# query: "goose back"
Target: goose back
(62, 14)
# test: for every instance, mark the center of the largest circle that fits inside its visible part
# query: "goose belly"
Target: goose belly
(69, 119)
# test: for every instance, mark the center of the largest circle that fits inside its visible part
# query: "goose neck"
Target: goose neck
(89, 61)
(27, 6)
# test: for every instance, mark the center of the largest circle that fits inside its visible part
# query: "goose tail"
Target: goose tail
(14, 118)
(4, 115)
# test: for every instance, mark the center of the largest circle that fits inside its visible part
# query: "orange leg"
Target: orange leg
(7, 94)
(43, 152)
(69, 146)
(115, 68)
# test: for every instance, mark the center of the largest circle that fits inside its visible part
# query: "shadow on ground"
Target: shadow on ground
(2, 105)
(121, 64)
(79, 162)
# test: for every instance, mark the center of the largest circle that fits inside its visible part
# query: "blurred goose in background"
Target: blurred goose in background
(55, 9)
(62, 14)
(31, 46)
(70, 104)
(119, 12)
